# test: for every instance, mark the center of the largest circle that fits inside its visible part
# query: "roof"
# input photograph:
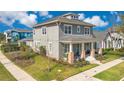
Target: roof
(78, 39)
(64, 20)
(26, 39)
(18, 30)
(100, 35)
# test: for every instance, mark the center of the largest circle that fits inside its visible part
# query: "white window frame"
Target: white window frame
(50, 47)
(67, 31)
(85, 33)
(43, 32)
(78, 29)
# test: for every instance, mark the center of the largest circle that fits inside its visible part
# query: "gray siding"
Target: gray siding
(52, 35)
(74, 31)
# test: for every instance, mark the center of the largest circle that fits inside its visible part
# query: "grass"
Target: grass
(110, 57)
(113, 74)
(39, 69)
(5, 75)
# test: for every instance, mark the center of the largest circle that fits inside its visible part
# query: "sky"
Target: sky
(27, 19)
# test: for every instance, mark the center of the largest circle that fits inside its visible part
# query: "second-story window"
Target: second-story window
(67, 29)
(86, 31)
(43, 30)
(78, 29)
(34, 32)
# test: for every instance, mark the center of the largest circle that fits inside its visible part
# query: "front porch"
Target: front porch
(77, 51)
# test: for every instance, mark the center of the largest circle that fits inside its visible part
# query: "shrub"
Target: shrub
(24, 47)
(121, 49)
(100, 58)
(80, 63)
(9, 47)
(27, 55)
(43, 50)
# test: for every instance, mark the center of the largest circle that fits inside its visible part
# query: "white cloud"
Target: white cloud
(9, 17)
(118, 19)
(81, 16)
(96, 20)
(116, 15)
(113, 12)
(45, 14)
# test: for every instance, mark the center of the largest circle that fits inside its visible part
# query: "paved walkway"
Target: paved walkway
(88, 75)
(17, 72)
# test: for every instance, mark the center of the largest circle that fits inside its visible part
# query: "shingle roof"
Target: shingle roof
(100, 35)
(78, 39)
(64, 20)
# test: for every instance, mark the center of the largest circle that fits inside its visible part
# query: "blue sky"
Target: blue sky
(27, 19)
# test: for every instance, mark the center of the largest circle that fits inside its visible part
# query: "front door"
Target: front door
(77, 50)
(87, 47)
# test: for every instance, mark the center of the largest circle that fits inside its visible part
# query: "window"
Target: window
(78, 29)
(67, 29)
(50, 47)
(86, 31)
(34, 32)
(37, 43)
(66, 48)
(43, 29)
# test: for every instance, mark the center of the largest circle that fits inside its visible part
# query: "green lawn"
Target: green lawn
(5, 75)
(113, 74)
(110, 57)
(39, 68)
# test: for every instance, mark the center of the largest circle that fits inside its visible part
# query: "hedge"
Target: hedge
(10, 47)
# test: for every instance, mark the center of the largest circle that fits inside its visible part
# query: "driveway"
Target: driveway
(88, 75)
(17, 72)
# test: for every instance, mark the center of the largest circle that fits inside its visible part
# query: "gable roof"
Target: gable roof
(100, 35)
(64, 20)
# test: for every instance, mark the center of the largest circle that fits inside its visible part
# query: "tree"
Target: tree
(2, 37)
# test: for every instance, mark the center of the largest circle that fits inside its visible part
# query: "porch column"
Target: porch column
(100, 51)
(83, 55)
(70, 54)
(92, 52)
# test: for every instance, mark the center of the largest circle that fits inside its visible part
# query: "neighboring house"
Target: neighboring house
(27, 41)
(13, 35)
(66, 37)
(110, 39)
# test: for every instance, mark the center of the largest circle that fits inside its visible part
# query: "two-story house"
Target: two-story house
(13, 35)
(66, 37)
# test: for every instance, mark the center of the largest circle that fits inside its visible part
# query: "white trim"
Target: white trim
(64, 29)
(89, 30)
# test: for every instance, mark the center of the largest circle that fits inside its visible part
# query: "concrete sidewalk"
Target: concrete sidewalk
(88, 75)
(17, 72)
